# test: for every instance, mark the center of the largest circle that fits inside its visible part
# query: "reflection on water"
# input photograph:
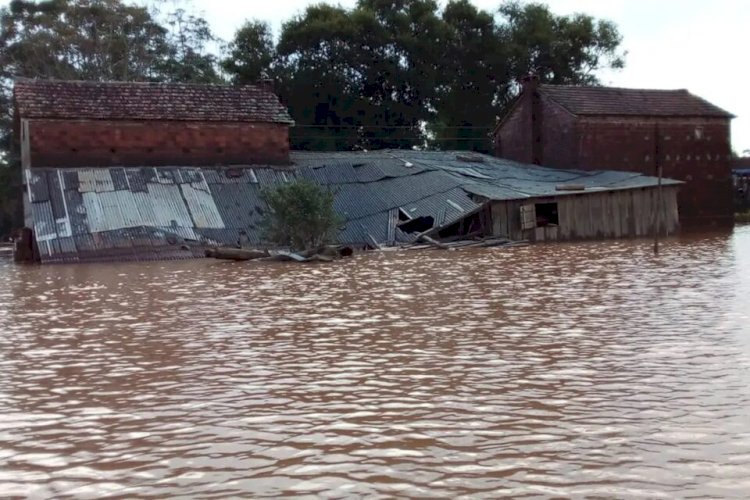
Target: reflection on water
(591, 369)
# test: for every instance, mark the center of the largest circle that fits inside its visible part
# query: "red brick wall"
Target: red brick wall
(84, 143)
(513, 138)
(559, 132)
(695, 150)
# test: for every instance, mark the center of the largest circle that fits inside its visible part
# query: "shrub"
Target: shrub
(301, 216)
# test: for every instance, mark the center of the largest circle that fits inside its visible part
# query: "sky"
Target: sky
(699, 45)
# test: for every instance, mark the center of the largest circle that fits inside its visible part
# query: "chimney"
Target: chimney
(266, 83)
(530, 84)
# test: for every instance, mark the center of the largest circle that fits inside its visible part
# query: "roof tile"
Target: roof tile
(61, 99)
(611, 101)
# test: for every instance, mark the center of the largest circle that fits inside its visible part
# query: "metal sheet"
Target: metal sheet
(54, 183)
(136, 181)
(202, 207)
(103, 180)
(145, 206)
(86, 181)
(70, 180)
(45, 225)
(169, 207)
(119, 179)
(95, 217)
(37, 185)
(76, 212)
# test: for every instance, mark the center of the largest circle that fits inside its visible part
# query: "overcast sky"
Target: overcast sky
(700, 45)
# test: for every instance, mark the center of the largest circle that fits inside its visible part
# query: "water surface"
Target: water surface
(589, 369)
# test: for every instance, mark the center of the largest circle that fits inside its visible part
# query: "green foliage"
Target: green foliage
(559, 49)
(406, 73)
(301, 216)
(250, 54)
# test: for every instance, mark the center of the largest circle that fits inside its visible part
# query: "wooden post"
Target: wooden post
(660, 174)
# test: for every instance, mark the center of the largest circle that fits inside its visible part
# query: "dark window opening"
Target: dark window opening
(113, 151)
(467, 228)
(418, 225)
(546, 215)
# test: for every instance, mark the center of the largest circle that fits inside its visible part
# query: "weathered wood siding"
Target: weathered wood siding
(615, 214)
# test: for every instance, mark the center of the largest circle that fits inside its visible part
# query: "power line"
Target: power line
(409, 127)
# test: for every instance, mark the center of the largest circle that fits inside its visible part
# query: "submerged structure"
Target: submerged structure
(385, 198)
(636, 130)
(120, 171)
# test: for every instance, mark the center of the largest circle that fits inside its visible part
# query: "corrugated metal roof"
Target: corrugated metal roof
(152, 213)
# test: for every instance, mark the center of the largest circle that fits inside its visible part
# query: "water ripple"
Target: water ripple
(579, 370)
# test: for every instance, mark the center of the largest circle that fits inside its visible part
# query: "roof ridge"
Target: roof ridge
(589, 100)
(542, 86)
(24, 79)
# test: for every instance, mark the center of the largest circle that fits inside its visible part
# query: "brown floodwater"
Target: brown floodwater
(571, 370)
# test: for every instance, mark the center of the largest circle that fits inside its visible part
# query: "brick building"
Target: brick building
(102, 124)
(603, 128)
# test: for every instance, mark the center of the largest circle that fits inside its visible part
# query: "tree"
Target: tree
(465, 106)
(187, 56)
(251, 54)
(559, 49)
(405, 73)
(301, 215)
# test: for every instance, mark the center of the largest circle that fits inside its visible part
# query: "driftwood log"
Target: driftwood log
(238, 254)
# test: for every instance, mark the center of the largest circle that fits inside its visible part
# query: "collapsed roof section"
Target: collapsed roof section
(175, 212)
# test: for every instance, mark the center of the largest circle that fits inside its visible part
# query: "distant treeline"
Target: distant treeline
(386, 73)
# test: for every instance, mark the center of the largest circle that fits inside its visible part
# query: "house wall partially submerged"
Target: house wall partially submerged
(600, 128)
(615, 214)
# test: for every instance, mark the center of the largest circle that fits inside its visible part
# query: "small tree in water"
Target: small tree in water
(301, 215)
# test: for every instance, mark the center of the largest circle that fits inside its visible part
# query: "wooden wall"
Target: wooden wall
(615, 214)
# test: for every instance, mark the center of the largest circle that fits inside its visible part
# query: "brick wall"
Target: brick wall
(559, 132)
(512, 140)
(84, 143)
(694, 150)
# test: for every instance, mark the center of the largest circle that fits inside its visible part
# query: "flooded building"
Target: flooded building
(106, 124)
(594, 128)
(118, 204)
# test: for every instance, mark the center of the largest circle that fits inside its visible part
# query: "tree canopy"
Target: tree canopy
(408, 73)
